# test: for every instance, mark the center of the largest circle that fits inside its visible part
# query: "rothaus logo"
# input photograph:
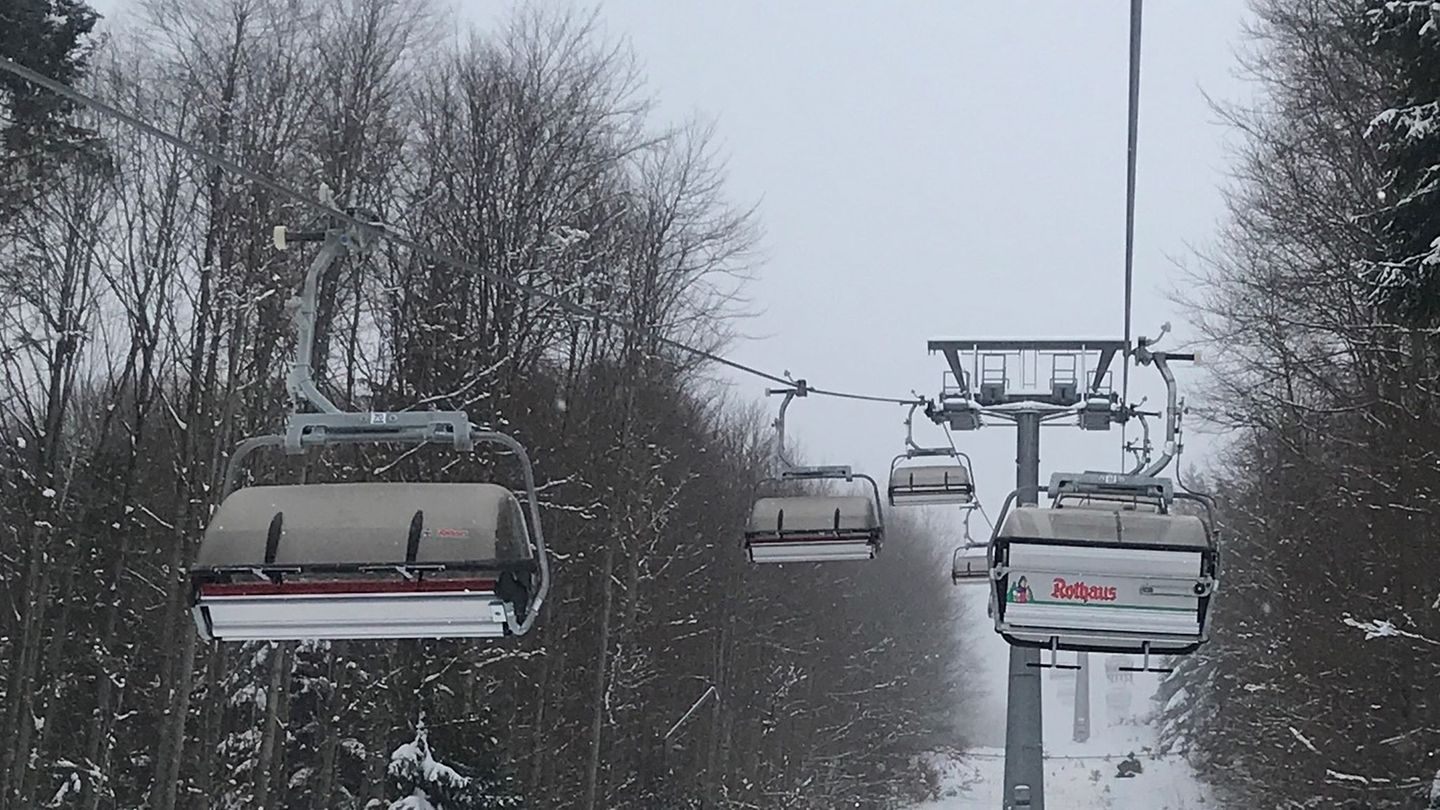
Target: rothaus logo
(1080, 592)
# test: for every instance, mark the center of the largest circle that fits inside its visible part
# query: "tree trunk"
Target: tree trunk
(21, 690)
(58, 633)
(172, 739)
(330, 746)
(602, 671)
(270, 744)
(212, 717)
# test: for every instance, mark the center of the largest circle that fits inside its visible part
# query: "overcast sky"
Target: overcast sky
(942, 168)
(933, 168)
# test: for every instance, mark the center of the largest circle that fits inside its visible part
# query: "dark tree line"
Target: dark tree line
(1322, 685)
(36, 129)
(143, 333)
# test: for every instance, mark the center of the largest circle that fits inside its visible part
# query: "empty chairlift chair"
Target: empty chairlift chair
(971, 562)
(366, 560)
(970, 566)
(813, 527)
(1108, 567)
(944, 478)
(930, 484)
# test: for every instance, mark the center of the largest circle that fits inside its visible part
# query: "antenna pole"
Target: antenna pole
(1131, 150)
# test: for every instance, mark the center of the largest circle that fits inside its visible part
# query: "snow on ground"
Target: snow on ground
(1078, 775)
(1084, 779)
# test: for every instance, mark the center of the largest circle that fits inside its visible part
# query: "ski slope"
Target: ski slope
(1081, 777)
(1077, 774)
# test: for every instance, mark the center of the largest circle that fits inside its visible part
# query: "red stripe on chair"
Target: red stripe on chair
(863, 539)
(342, 586)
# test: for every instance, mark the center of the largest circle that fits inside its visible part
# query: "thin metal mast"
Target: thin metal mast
(1024, 732)
(1132, 143)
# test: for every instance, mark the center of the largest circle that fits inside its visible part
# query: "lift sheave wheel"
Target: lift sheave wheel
(370, 560)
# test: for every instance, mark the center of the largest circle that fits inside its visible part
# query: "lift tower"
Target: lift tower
(1027, 383)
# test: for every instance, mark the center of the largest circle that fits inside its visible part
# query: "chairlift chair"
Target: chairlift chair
(947, 482)
(1106, 568)
(813, 527)
(364, 560)
(367, 560)
(970, 565)
(930, 484)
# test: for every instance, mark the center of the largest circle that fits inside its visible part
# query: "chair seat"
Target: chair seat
(810, 550)
(349, 609)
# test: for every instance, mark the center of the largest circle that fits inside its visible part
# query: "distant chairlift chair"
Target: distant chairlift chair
(367, 560)
(813, 528)
(970, 565)
(944, 483)
(950, 482)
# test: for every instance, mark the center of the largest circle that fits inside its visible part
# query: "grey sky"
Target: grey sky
(939, 168)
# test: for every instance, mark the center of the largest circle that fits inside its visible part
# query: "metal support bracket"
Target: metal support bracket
(304, 430)
(1112, 484)
(1145, 356)
(831, 472)
(300, 381)
(801, 389)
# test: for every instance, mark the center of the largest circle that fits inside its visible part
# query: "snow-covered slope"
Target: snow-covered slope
(1078, 775)
(1083, 779)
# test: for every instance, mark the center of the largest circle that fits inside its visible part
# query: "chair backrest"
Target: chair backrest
(1109, 526)
(365, 523)
(1109, 501)
(814, 513)
(931, 475)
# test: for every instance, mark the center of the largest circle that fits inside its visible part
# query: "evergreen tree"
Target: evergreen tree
(51, 37)
(425, 783)
(1310, 297)
(1405, 38)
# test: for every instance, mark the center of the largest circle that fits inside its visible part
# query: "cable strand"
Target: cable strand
(1131, 150)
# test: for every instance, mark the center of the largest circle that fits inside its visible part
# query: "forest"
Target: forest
(1320, 301)
(144, 332)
